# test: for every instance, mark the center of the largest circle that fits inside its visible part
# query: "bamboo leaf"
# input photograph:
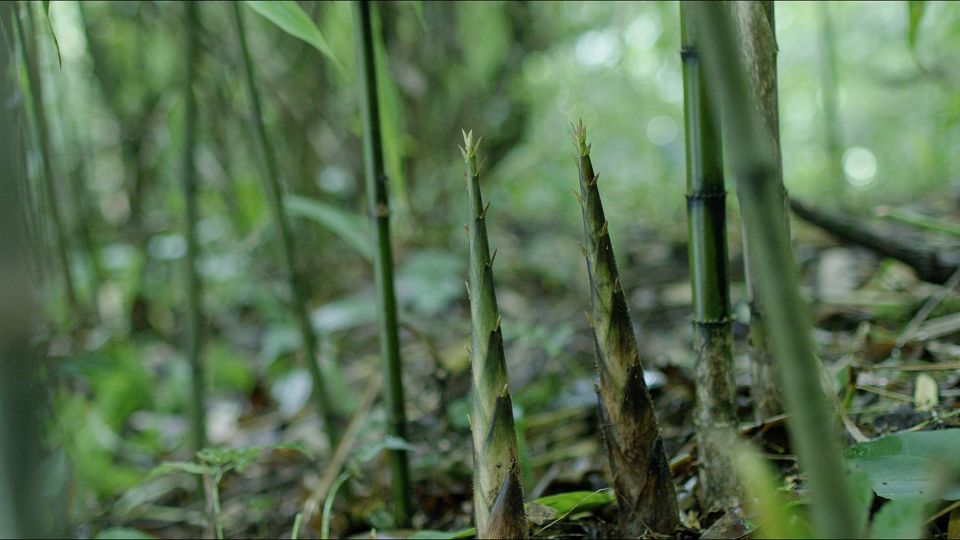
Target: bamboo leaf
(583, 501)
(915, 10)
(910, 465)
(350, 227)
(291, 18)
(56, 42)
(188, 467)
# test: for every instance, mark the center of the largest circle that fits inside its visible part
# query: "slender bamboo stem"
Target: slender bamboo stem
(754, 161)
(758, 46)
(497, 489)
(20, 395)
(287, 245)
(641, 475)
(833, 138)
(376, 186)
(716, 414)
(60, 246)
(194, 322)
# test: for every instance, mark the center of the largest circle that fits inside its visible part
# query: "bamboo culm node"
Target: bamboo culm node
(638, 465)
(497, 490)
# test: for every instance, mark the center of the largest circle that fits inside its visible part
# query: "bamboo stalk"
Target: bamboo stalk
(641, 476)
(758, 45)
(20, 394)
(287, 245)
(60, 246)
(833, 139)
(379, 207)
(754, 161)
(497, 490)
(715, 417)
(194, 322)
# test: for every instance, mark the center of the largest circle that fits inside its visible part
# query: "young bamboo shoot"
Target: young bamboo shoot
(638, 465)
(497, 491)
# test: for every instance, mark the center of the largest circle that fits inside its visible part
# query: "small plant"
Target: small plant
(497, 491)
(638, 465)
(212, 464)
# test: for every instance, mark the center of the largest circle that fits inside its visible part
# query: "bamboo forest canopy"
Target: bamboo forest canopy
(234, 251)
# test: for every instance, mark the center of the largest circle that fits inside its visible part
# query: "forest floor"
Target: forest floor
(878, 360)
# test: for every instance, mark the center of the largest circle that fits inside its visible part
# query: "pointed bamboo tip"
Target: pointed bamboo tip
(580, 138)
(470, 145)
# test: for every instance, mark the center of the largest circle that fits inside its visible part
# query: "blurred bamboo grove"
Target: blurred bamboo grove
(228, 227)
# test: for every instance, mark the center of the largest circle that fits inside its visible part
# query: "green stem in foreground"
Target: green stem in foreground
(194, 293)
(28, 46)
(497, 490)
(287, 246)
(641, 474)
(715, 417)
(376, 186)
(22, 512)
(753, 160)
(758, 47)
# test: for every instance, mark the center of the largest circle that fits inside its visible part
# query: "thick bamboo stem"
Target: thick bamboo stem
(641, 476)
(715, 417)
(379, 207)
(497, 490)
(758, 46)
(754, 161)
(298, 290)
(60, 245)
(194, 293)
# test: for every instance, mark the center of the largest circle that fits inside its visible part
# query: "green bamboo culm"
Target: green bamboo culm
(715, 416)
(638, 465)
(194, 292)
(21, 484)
(497, 491)
(753, 161)
(28, 47)
(758, 47)
(298, 290)
(379, 207)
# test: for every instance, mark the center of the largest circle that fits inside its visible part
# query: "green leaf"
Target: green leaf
(583, 501)
(910, 465)
(915, 9)
(188, 467)
(899, 519)
(350, 227)
(119, 533)
(291, 18)
(56, 42)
